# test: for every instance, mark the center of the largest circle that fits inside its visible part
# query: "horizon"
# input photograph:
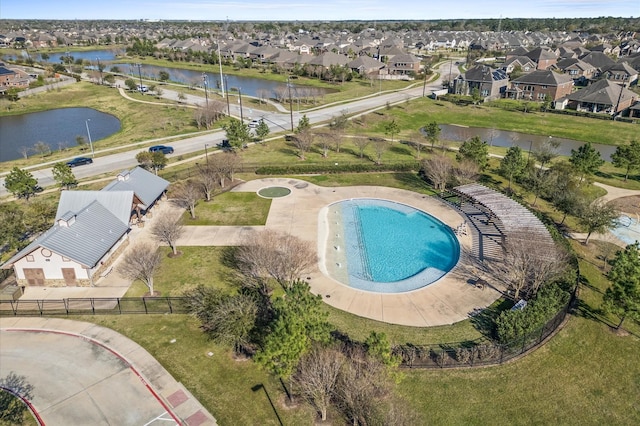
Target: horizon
(305, 11)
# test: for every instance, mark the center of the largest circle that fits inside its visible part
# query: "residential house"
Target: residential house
(539, 84)
(90, 230)
(603, 96)
(599, 60)
(365, 65)
(621, 72)
(404, 64)
(518, 63)
(544, 58)
(579, 70)
(10, 77)
(491, 83)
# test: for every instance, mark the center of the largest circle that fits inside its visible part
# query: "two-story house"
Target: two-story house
(539, 84)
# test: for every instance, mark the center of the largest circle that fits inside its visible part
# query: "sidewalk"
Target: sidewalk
(173, 395)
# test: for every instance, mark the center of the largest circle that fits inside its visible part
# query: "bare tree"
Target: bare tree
(303, 141)
(223, 166)
(25, 150)
(41, 148)
(208, 114)
(380, 146)
(438, 169)
(325, 140)
(186, 195)
(232, 320)
(208, 179)
(141, 263)
(466, 171)
(168, 229)
(316, 377)
(272, 254)
(361, 143)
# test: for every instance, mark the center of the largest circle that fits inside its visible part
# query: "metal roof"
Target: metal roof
(119, 203)
(147, 186)
(85, 240)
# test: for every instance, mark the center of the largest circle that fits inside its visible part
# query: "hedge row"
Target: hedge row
(341, 168)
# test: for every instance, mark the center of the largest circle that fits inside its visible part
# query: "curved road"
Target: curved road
(277, 121)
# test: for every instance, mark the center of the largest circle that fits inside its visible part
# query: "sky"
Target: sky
(305, 10)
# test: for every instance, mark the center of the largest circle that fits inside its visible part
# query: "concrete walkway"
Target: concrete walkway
(449, 300)
(93, 375)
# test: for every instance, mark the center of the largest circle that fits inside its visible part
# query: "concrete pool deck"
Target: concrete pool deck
(449, 300)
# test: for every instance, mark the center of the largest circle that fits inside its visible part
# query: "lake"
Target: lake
(526, 142)
(89, 55)
(57, 128)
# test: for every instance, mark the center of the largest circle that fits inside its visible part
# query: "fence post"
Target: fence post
(66, 305)
(93, 307)
(144, 302)
(119, 307)
(170, 307)
(40, 307)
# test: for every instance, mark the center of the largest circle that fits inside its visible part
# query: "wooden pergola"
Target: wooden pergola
(517, 221)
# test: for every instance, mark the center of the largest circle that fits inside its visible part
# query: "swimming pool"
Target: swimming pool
(387, 247)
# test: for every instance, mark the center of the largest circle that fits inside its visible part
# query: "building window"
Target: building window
(66, 259)
(30, 258)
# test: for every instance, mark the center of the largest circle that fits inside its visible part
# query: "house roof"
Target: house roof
(366, 62)
(540, 54)
(85, 240)
(483, 73)
(117, 202)
(544, 77)
(602, 92)
(597, 59)
(570, 62)
(147, 186)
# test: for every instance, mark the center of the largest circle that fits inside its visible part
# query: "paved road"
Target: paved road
(277, 121)
(84, 374)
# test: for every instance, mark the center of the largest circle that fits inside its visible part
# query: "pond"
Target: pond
(248, 85)
(57, 128)
(54, 58)
(526, 142)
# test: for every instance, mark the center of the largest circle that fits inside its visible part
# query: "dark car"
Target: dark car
(79, 161)
(225, 145)
(161, 148)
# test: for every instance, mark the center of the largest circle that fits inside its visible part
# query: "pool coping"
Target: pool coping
(448, 300)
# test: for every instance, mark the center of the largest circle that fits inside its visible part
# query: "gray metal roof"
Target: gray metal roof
(86, 240)
(119, 203)
(147, 186)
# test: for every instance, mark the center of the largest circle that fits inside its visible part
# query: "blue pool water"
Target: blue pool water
(627, 229)
(393, 248)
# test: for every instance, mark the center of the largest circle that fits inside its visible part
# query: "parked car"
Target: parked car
(79, 161)
(254, 123)
(142, 88)
(162, 148)
(225, 144)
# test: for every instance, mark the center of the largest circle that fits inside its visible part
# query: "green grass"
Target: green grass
(231, 209)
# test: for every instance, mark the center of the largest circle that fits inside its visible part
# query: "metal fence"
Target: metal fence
(479, 352)
(93, 306)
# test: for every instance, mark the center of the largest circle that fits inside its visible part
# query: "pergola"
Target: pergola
(517, 221)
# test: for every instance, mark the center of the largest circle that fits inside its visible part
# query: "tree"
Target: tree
(208, 179)
(474, 150)
(379, 146)
(598, 217)
(271, 254)
(586, 160)
(623, 297)
(316, 377)
(432, 131)
(303, 124)
(325, 140)
(391, 128)
(378, 347)
(361, 143)
(21, 183)
(475, 96)
(168, 229)
(131, 84)
(223, 166)
(39, 216)
(232, 320)
(12, 409)
(262, 131)
(63, 174)
(237, 133)
(338, 125)
(141, 262)
(41, 148)
(303, 141)
(186, 195)
(465, 172)
(81, 141)
(512, 164)
(438, 169)
(13, 229)
(627, 157)
(152, 160)
(163, 76)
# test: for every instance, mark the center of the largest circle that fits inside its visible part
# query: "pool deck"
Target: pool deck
(449, 300)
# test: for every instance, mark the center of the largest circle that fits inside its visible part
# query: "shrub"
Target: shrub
(346, 168)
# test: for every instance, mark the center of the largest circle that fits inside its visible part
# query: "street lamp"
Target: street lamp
(240, 101)
(89, 134)
(206, 96)
(140, 75)
(100, 69)
(290, 101)
(226, 83)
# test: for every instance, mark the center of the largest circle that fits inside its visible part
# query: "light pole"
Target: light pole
(240, 101)
(222, 84)
(89, 134)
(204, 81)
(206, 156)
(290, 102)
(228, 105)
(140, 75)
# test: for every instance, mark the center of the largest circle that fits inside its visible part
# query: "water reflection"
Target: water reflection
(526, 142)
(58, 128)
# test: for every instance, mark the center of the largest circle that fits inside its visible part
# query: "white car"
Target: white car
(254, 123)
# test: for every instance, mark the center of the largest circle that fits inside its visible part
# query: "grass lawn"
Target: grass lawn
(231, 209)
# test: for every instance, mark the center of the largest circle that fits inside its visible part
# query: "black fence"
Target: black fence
(93, 306)
(478, 352)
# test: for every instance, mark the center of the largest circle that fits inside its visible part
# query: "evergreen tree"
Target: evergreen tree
(513, 164)
(21, 183)
(63, 174)
(586, 160)
(627, 157)
(262, 130)
(475, 150)
(237, 132)
(623, 297)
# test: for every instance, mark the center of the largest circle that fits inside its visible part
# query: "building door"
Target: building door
(69, 275)
(34, 276)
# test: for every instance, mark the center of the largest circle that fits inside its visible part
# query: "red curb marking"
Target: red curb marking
(27, 403)
(95, 342)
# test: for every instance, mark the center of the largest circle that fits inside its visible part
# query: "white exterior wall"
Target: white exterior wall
(51, 266)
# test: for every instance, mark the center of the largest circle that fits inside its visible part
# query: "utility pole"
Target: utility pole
(228, 104)
(240, 100)
(290, 102)
(220, 64)
(100, 69)
(140, 75)
(204, 82)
